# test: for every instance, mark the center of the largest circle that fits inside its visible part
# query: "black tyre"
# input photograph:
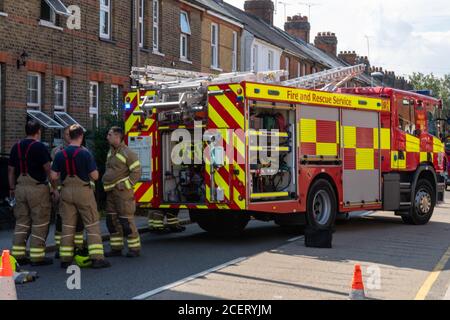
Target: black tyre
(221, 223)
(423, 204)
(321, 205)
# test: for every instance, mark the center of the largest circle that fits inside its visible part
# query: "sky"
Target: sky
(404, 36)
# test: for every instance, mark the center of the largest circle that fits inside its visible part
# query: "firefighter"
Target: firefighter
(79, 235)
(75, 166)
(28, 171)
(123, 170)
(156, 222)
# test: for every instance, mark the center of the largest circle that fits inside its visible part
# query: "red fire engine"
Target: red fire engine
(281, 151)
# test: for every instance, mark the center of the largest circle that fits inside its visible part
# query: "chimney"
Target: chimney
(261, 8)
(348, 56)
(299, 27)
(327, 42)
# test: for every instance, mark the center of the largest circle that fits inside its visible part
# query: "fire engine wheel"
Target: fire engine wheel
(321, 205)
(221, 223)
(423, 204)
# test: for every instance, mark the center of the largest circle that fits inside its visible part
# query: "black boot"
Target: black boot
(133, 254)
(23, 261)
(177, 228)
(113, 253)
(160, 231)
(100, 263)
(45, 262)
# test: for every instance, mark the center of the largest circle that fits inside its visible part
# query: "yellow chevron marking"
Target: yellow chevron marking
(216, 118)
(148, 196)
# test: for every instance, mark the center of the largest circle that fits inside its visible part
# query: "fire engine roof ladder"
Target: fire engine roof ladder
(328, 80)
(191, 86)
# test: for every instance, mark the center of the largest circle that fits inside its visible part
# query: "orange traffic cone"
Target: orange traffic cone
(7, 284)
(357, 292)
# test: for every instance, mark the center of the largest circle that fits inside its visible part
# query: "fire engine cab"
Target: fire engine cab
(237, 146)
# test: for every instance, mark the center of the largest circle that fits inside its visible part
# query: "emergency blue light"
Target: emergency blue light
(127, 106)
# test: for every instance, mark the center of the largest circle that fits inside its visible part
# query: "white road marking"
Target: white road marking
(447, 295)
(296, 238)
(185, 280)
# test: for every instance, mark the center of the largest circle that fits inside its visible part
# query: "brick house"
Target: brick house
(47, 67)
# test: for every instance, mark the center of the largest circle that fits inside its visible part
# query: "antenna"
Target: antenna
(285, 4)
(368, 45)
(309, 5)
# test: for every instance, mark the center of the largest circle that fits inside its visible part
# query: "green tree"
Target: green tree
(439, 85)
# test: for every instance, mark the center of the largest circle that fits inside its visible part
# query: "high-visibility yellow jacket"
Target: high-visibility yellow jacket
(122, 165)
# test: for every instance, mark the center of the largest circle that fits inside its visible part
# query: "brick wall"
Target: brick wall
(81, 56)
(225, 44)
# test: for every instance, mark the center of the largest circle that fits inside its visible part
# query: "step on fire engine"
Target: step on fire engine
(253, 146)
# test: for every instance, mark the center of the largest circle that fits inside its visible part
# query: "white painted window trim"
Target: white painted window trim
(271, 59)
(215, 46)
(155, 25)
(64, 106)
(255, 57)
(234, 61)
(49, 24)
(187, 19)
(91, 109)
(105, 8)
(183, 55)
(115, 111)
(3, 14)
(141, 23)
(287, 65)
(39, 88)
(299, 70)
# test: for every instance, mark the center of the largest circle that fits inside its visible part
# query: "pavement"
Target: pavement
(398, 262)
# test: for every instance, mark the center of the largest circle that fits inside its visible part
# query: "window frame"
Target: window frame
(255, 57)
(234, 52)
(184, 36)
(64, 106)
(115, 111)
(94, 111)
(38, 104)
(287, 65)
(108, 10)
(184, 55)
(155, 26)
(299, 69)
(52, 20)
(271, 59)
(185, 13)
(141, 23)
(214, 45)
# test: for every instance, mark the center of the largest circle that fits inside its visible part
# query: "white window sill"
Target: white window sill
(93, 111)
(3, 14)
(105, 37)
(216, 69)
(158, 53)
(185, 61)
(59, 108)
(50, 25)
